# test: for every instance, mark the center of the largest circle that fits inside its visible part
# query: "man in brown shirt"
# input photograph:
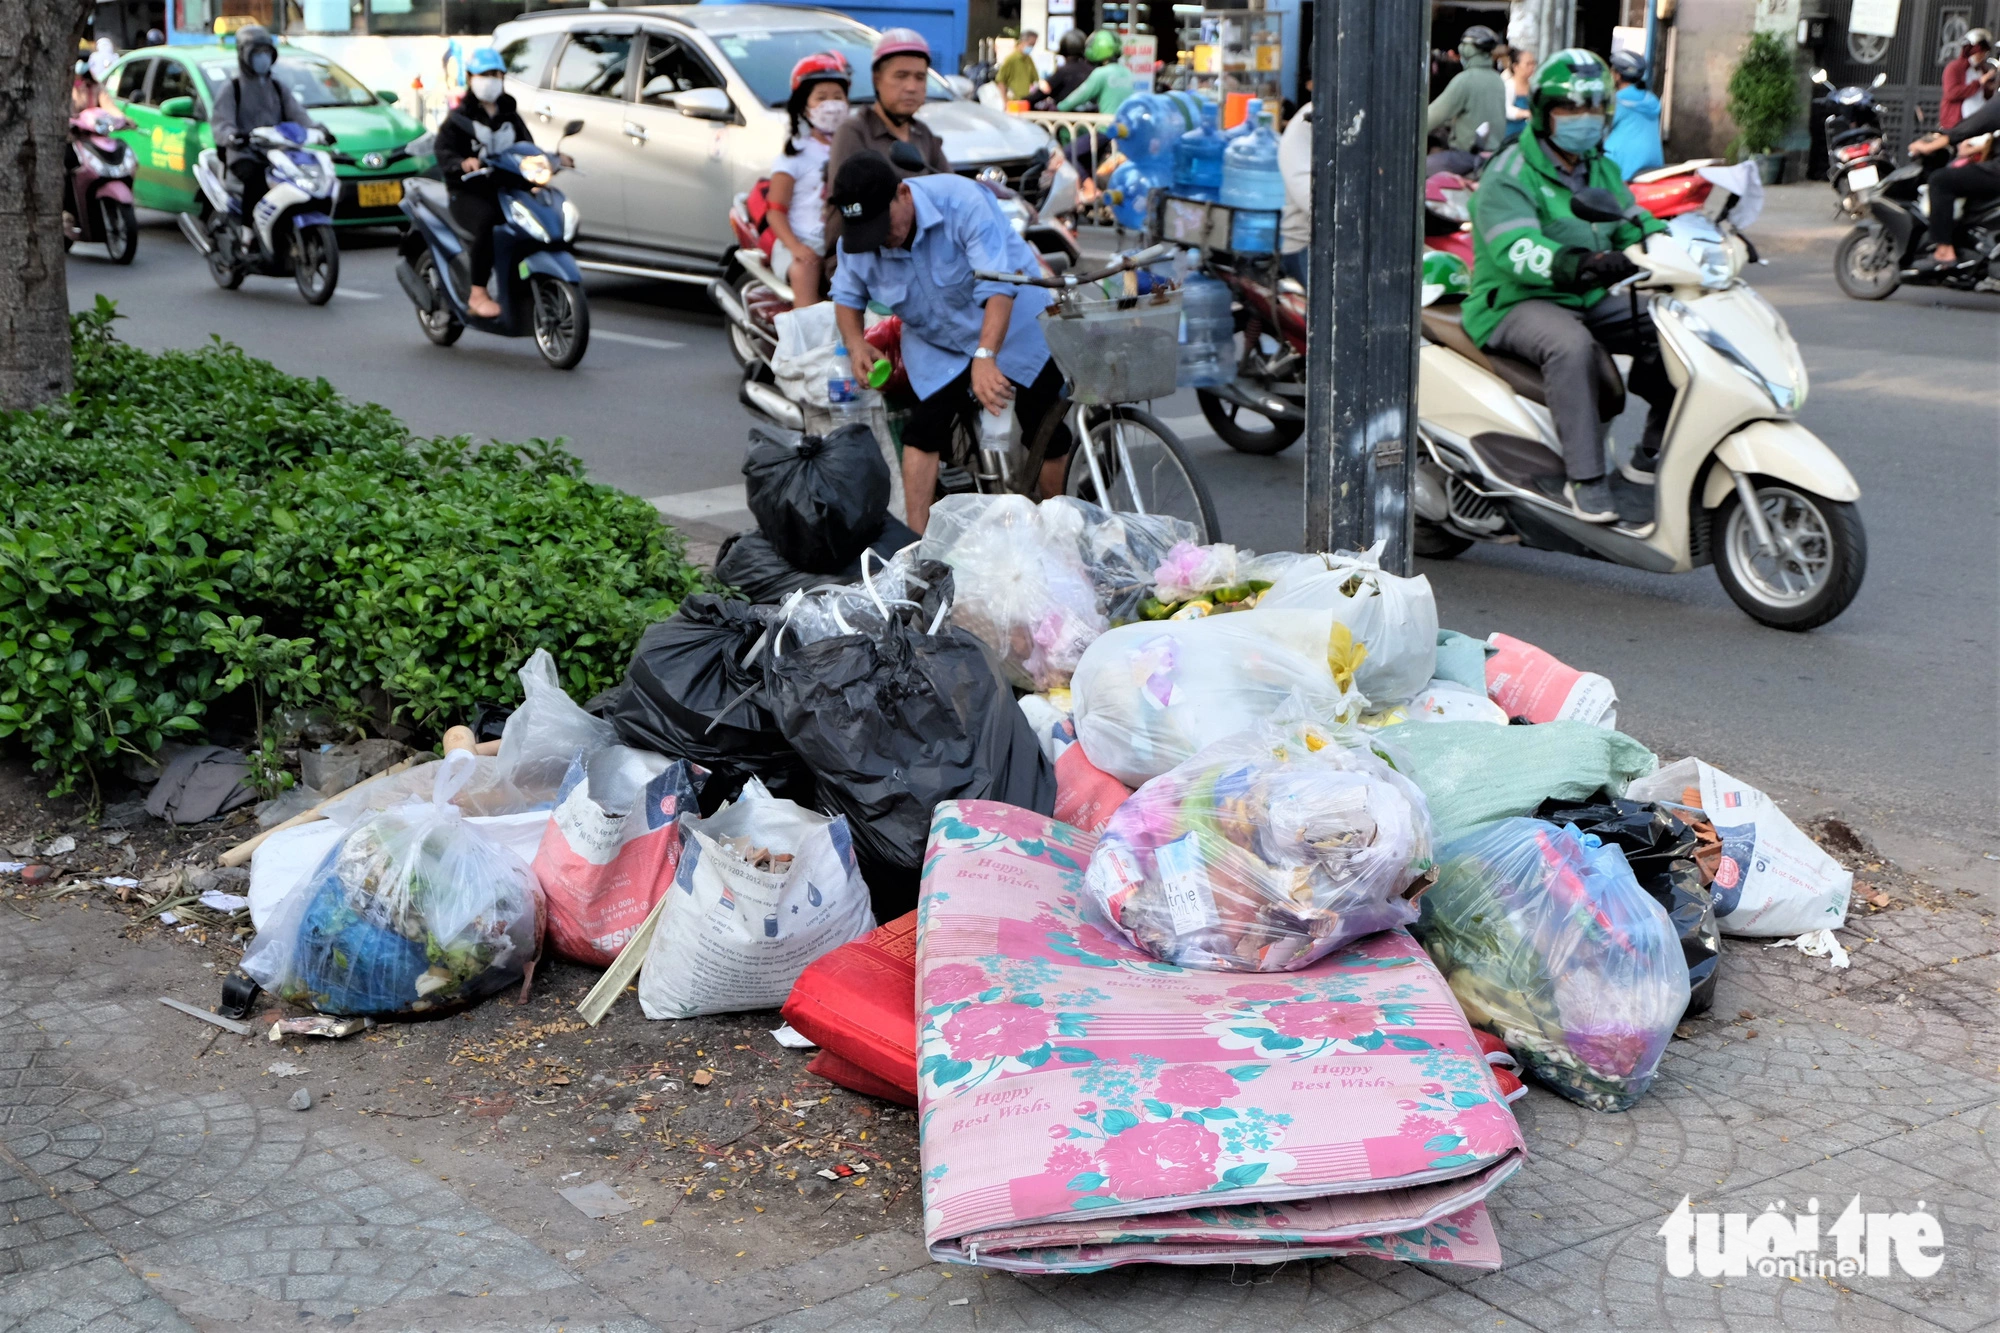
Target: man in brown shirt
(901, 69)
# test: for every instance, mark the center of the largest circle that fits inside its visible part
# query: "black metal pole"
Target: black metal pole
(1370, 71)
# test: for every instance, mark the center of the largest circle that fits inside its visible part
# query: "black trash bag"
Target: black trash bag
(689, 694)
(895, 721)
(819, 500)
(749, 563)
(1660, 850)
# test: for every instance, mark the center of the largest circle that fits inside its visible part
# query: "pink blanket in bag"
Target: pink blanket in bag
(1084, 1105)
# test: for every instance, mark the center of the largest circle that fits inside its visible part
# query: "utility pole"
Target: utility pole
(1370, 73)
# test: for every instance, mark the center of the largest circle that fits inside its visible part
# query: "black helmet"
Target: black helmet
(253, 37)
(1481, 36)
(1072, 44)
(1629, 66)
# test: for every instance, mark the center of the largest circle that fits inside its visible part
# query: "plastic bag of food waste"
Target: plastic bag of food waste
(1266, 851)
(1395, 619)
(1120, 552)
(1020, 588)
(545, 733)
(1661, 851)
(763, 888)
(1149, 696)
(1472, 772)
(818, 499)
(1551, 945)
(1218, 573)
(414, 909)
(750, 564)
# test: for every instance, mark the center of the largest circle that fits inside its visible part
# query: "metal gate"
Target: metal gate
(1927, 36)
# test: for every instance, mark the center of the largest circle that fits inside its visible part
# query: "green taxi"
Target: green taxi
(170, 91)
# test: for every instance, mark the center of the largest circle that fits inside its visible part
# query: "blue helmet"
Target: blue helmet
(485, 61)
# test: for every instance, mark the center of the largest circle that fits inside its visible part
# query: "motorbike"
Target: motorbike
(1875, 258)
(97, 185)
(535, 279)
(1448, 214)
(1739, 484)
(291, 231)
(1856, 157)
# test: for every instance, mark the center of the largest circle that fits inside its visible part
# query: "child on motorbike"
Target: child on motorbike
(797, 193)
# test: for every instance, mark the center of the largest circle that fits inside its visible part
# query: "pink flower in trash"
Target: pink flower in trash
(954, 981)
(1488, 1129)
(1323, 1019)
(1152, 1160)
(995, 1031)
(1262, 990)
(1196, 1085)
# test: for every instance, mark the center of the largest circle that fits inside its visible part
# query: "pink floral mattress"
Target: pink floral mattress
(1084, 1105)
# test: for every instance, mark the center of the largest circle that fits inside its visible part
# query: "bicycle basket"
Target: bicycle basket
(1112, 355)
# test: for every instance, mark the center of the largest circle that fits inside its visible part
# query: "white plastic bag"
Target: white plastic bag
(1394, 618)
(1149, 696)
(734, 937)
(289, 855)
(1773, 879)
(545, 733)
(1440, 701)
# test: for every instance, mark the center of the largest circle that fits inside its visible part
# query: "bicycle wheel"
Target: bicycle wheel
(1130, 462)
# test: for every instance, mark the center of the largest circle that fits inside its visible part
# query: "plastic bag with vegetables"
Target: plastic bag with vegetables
(1264, 852)
(1551, 945)
(1193, 581)
(413, 909)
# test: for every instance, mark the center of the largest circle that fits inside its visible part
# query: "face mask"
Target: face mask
(827, 116)
(1577, 134)
(260, 63)
(486, 87)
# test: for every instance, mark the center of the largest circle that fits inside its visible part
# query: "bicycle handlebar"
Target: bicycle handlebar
(1150, 255)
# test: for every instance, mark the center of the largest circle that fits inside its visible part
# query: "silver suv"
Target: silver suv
(683, 109)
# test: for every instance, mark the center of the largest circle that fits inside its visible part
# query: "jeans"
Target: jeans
(1563, 343)
(930, 422)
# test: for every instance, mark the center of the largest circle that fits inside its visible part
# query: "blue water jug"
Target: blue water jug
(1252, 183)
(1129, 192)
(1208, 334)
(1198, 157)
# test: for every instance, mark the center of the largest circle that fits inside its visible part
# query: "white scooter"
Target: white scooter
(1740, 483)
(292, 224)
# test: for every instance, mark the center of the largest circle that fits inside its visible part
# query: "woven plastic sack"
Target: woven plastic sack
(414, 909)
(1473, 772)
(1394, 618)
(1263, 853)
(1151, 695)
(1551, 945)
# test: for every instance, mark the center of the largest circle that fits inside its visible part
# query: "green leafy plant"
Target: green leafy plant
(1763, 94)
(191, 525)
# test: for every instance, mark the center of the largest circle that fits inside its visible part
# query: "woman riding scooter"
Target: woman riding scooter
(485, 121)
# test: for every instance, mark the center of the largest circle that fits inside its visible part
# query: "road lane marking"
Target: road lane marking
(660, 344)
(703, 504)
(356, 294)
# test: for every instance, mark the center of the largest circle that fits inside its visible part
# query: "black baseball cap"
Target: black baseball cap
(862, 191)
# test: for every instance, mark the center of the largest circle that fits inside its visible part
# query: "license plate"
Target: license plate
(1862, 178)
(378, 194)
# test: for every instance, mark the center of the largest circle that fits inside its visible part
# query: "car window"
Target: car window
(672, 68)
(131, 86)
(217, 72)
(594, 63)
(321, 83)
(527, 56)
(172, 80)
(764, 57)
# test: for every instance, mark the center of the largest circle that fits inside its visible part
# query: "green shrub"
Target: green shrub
(192, 524)
(1763, 94)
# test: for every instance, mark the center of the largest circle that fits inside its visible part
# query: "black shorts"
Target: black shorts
(931, 421)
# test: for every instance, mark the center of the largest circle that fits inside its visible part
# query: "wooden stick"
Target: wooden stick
(240, 853)
(623, 968)
(226, 1024)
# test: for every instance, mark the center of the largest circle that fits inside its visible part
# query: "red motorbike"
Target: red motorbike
(97, 185)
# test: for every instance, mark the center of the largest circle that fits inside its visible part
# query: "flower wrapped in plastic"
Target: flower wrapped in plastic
(414, 909)
(1264, 852)
(1551, 945)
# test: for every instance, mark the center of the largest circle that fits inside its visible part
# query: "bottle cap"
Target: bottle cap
(879, 376)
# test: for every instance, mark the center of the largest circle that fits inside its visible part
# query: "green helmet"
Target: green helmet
(1445, 277)
(1103, 46)
(1568, 78)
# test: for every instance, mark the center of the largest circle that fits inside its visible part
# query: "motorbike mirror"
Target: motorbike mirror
(1819, 76)
(1596, 205)
(904, 157)
(574, 127)
(182, 107)
(1880, 79)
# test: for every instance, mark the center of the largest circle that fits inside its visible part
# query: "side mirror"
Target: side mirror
(705, 104)
(182, 107)
(1819, 76)
(1880, 79)
(1595, 205)
(574, 127)
(388, 96)
(961, 85)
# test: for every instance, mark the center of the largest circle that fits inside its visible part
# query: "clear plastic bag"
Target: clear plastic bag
(1218, 574)
(1264, 852)
(917, 593)
(1551, 945)
(413, 910)
(1119, 552)
(545, 733)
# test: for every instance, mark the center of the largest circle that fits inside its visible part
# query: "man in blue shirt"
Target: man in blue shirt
(968, 344)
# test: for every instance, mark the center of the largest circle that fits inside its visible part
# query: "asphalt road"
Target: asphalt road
(1888, 713)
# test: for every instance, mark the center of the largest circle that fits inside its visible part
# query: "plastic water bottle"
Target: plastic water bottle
(1207, 334)
(1252, 182)
(996, 429)
(843, 393)
(1198, 157)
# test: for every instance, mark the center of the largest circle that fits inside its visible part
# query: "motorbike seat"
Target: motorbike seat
(1444, 326)
(434, 196)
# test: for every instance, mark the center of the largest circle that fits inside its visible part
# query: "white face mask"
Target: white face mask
(486, 87)
(827, 116)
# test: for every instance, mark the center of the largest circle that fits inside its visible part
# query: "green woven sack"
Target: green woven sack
(1474, 772)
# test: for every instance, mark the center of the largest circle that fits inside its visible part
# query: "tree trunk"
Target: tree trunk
(34, 130)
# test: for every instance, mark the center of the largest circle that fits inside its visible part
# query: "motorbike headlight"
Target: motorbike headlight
(1785, 389)
(524, 217)
(571, 220)
(535, 169)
